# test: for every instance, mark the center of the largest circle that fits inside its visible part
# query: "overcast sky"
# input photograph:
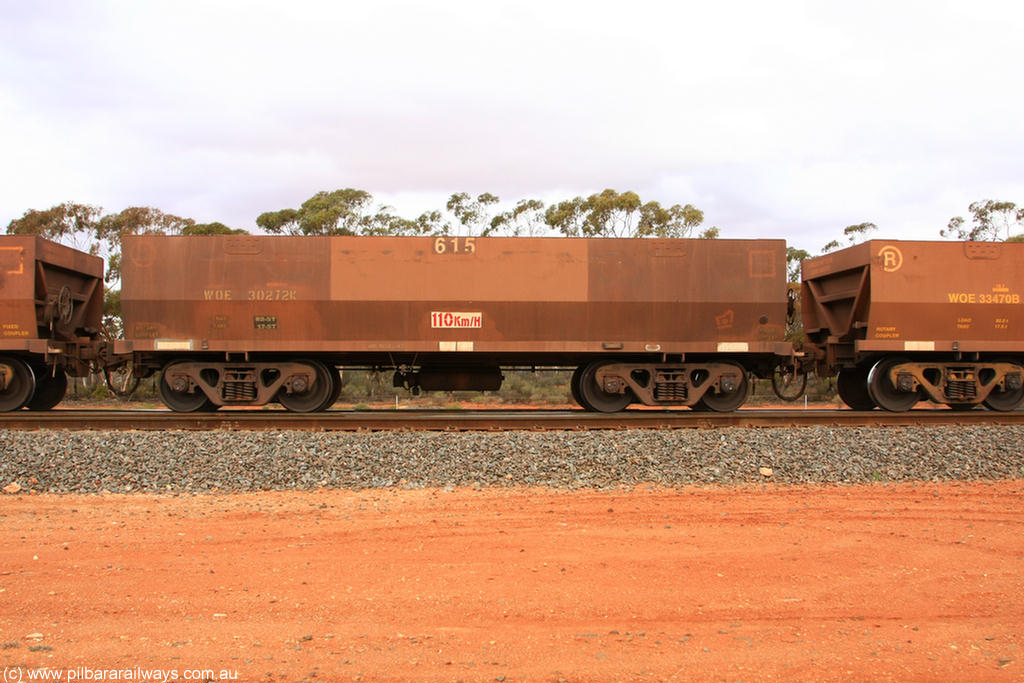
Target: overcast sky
(778, 119)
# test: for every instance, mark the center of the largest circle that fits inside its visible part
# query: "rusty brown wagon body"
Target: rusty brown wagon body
(51, 309)
(901, 321)
(247, 319)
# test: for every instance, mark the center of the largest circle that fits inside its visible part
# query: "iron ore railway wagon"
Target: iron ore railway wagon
(902, 322)
(244, 320)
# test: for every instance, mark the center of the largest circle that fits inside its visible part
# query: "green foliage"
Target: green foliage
(856, 233)
(794, 257)
(606, 214)
(794, 321)
(852, 233)
(347, 212)
(341, 212)
(991, 221)
(68, 223)
(214, 228)
(611, 214)
(566, 216)
(430, 223)
(821, 389)
(140, 220)
(363, 385)
(90, 388)
(831, 246)
(547, 387)
(536, 388)
(614, 214)
(818, 390)
(525, 219)
(675, 221)
(113, 325)
(277, 222)
(711, 233)
(473, 214)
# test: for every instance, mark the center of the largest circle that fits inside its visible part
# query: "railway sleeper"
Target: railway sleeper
(999, 385)
(225, 384)
(719, 386)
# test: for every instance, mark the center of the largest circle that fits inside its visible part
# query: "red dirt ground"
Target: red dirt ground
(877, 583)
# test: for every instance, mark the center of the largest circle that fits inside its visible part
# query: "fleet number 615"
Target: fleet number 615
(455, 245)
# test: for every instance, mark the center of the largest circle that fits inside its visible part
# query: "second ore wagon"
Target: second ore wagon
(901, 322)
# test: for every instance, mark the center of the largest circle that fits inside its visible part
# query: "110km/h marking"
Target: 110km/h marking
(449, 320)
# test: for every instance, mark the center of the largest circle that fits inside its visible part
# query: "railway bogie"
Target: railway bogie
(609, 386)
(198, 385)
(899, 383)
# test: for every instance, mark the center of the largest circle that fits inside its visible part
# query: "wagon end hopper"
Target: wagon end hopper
(448, 312)
(51, 308)
(902, 321)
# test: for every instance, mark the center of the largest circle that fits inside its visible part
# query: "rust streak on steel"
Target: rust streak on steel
(499, 420)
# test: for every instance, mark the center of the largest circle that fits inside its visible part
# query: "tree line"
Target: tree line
(606, 214)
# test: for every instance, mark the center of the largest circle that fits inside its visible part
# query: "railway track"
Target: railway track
(486, 420)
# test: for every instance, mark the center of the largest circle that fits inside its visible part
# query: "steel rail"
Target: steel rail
(486, 420)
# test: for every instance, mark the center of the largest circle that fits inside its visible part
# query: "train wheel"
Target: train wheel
(332, 372)
(17, 384)
(574, 386)
(50, 389)
(882, 391)
(852, 385)
(178, 398)
(1005, 401)
(728, 401)
(594, 398)
(314, 397)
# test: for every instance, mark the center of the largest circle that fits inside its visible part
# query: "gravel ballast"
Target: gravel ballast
(178, 461)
